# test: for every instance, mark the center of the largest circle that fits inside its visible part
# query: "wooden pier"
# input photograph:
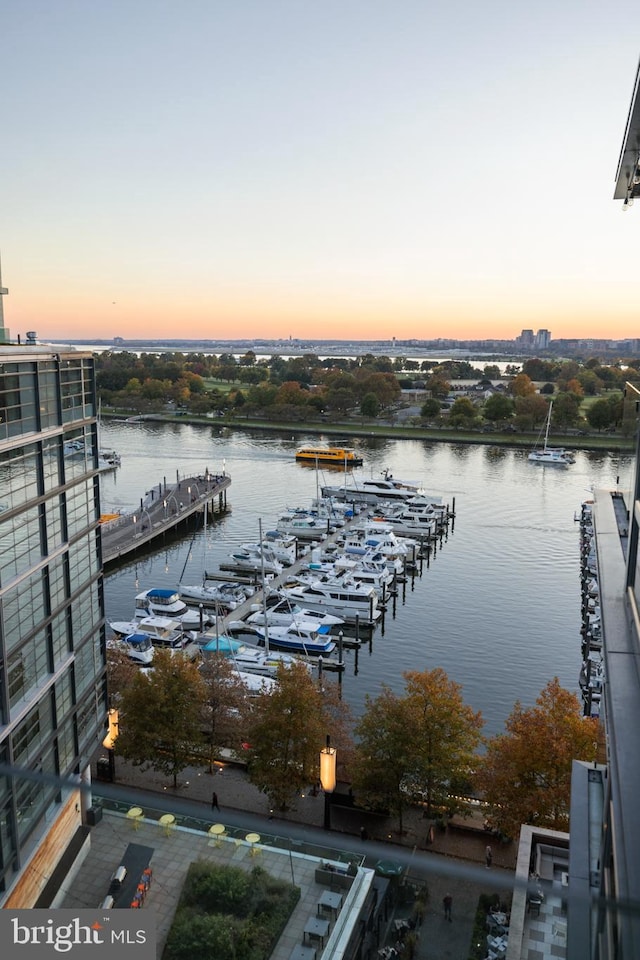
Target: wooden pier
(164, 508)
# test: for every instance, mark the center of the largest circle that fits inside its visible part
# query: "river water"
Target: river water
(498, 607)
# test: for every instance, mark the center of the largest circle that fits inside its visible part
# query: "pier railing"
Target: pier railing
(163, 508)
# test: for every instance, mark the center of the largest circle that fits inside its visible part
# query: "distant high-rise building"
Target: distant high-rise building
(525, 339)
(4, 333)
(53, 700)
(543, 339)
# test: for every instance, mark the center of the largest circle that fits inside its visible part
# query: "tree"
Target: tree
(286, 731)
(491, 371)
(224, 704)
(463, 413)
(383, 755)
(525, 776)
(566, 409)
(498, 407)
(416, 746)
(601, 414)
(438, 387)
(160, 716)
(430, 408)
(522, 386)
(369, 406)
(446, 735)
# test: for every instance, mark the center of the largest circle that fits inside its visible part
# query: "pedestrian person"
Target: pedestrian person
(214, 802)
(488, 856)
(447, 903)
(363, 834)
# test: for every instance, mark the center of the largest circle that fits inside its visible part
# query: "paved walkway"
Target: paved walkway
(453, 863)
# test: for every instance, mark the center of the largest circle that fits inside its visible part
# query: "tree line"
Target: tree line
(306, 388)
(422, 746)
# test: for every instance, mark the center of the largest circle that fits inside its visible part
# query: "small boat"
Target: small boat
(551, 456)
(348, 600)
(225, 594)
(137, 646)
(246, 560)
(303, 526)
(248, 659)
(163, 632)
(160, 602)
(304, 638)
(340, 456)
(278, 611)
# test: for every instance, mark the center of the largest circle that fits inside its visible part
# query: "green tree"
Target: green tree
(525, 775)
(463, 413)
(430, 408)
(370, 405)
(161, 716)
(566, 409)
(498, 407)
(601, 414)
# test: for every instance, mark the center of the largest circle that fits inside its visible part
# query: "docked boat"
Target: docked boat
(246, 560)
(137, 646)
(160, 602)
(303, 526)
(225, 594)
(274, 547)
(164, 633)
(406, 524)
(375, 489)
(249, 659)
(304, 638)
(348, 600)
(278, 611)
(550, 456)
(339, 456)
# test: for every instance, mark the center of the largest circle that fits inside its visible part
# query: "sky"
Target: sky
(345, 169)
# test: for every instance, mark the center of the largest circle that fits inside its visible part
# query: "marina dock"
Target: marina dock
(164, 508)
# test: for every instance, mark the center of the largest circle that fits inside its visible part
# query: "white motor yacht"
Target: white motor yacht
(137, 646)
(349, 600)
(227, 595)
(278, 611)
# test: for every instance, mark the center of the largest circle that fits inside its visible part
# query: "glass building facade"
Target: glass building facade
(53, 700)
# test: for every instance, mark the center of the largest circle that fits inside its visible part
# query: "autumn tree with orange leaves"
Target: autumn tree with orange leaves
(525, 776)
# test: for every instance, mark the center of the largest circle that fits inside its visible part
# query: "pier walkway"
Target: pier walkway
(164, 507)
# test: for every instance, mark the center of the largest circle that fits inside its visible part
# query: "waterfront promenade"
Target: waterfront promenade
(164, 507)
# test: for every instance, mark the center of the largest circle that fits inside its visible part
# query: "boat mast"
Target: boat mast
(546, 433)
(264, 589)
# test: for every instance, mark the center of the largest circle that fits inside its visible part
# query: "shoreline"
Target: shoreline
(603, 444)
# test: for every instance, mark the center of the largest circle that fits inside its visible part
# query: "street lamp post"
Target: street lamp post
(109, 742)
(328, 778)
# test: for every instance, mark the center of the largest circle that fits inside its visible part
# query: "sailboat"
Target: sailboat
(554, 456)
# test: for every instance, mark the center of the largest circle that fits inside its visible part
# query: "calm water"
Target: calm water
(498, 608)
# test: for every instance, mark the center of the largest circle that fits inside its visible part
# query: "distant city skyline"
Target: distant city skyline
(350, 170)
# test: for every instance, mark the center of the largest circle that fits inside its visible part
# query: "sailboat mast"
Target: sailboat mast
(264, 588)
(546, 433)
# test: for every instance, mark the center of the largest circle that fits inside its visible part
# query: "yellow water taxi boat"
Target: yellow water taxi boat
(341, 456)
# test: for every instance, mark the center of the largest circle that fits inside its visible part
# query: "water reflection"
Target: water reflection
(498, 604)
